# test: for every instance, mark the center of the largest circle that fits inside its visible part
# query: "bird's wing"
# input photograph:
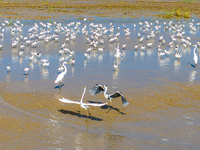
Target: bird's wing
(64, 100)
(59, 77)
(95, 104)
(115, 94)
(96, 89)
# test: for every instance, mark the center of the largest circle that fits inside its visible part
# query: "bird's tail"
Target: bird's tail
(124, 101)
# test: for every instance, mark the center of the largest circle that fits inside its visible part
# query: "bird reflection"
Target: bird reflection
(115, 74)
(85, 63)
(45, 73)
(72, 70)
(100, 58)
(163, 62)
(53, 129)
(31, 65)
(8, 77)
(21, 60)
(78, 141)
(192, 76)
(177, 64)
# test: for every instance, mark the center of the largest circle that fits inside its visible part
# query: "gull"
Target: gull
(98, 88)
(72, 61)
(8, 68)
(178, 55)
(83, 105)
(34, 44)
(45, 64)
(26, 70)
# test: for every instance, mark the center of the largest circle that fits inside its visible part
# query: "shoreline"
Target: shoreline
(44, 10)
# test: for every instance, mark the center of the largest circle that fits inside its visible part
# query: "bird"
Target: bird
(98, 88)
(195, 56)
(83, 105)
(178, 55)
(115, 66)
(26, 70)
(8, 68)
(61, 75)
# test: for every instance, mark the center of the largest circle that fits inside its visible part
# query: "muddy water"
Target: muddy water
(163, 93)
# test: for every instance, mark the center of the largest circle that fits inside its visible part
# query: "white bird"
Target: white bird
(73, 61)
(195, 55)
(115, 66)
(8, 68)
(83, 105)
(178, 55)
(98, 88)
(61, 68)
(61, 75)
(26, 70)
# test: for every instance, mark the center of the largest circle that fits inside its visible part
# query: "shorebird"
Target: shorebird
(83, 105)
(98, 88)
(61, 75)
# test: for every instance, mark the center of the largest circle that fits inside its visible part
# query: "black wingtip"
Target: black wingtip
(124, 101)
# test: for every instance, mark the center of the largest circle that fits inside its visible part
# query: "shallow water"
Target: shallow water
(162, 91)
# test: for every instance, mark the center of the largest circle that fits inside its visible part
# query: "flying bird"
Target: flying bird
(98, 88)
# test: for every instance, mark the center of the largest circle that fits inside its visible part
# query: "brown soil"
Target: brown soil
(43, 10)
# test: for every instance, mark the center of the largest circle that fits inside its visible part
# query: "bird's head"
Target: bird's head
(65, 63)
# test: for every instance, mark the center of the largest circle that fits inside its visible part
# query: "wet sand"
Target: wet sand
(37, 120)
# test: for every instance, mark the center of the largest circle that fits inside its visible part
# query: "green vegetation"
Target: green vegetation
(189, 1)
(59, 1)
(175, 14)
(11, 21)
(50, 8)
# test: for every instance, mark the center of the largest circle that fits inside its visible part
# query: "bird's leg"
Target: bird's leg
(89, 112)
(60, 86)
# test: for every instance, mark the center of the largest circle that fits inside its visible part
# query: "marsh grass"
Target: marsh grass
(177, 13)
(59, 1)
(189, 1)
(11, 21)
(50, 8)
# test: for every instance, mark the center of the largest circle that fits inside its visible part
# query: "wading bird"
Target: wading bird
(61, 75)
(98, 88)
(83, 105)
(26, 70)
(8, 68)
(195, 56)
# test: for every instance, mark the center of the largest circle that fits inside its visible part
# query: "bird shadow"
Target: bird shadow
(108, 107)
(80, 115)
(58, 87)
(192, 65)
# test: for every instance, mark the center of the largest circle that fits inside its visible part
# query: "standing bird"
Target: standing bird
(26, 70)
(8, 68)
(61, 75)
(195, 56)
(83, 105)
(98, 88)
